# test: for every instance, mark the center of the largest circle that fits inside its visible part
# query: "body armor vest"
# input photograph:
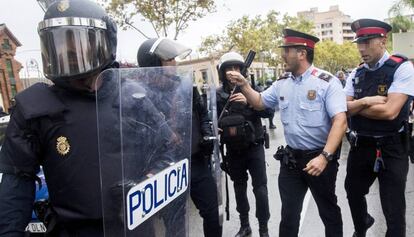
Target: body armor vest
(372, 83)
(241, 125)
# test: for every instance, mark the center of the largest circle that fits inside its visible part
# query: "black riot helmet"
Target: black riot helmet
(78, 39)
(152, 51)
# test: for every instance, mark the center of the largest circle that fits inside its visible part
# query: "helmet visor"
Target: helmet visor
(167, 49)
(73, 50)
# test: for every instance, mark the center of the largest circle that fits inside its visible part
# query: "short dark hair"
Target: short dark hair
(309, 53)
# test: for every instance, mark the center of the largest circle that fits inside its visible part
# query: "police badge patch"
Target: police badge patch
(62, 145)
(63, 6)
(311, 94)
(382, 89)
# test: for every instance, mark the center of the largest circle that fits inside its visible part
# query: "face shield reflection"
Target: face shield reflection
(69, 51)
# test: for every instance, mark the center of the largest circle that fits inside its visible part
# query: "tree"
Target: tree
(333, 57)
(400, 5)
(399, 22)
(260, 33)
(163, 15)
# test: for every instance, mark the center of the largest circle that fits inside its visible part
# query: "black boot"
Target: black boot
(244, 231)
(263, 231)
(369, 221)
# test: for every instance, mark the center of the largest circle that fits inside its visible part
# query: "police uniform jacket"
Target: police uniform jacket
(307, 105)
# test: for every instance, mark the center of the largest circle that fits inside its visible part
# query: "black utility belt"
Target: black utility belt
(289, 157)
(361, 140)
(304, 153)
(258, 142)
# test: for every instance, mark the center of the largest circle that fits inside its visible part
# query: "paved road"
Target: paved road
(311, 224)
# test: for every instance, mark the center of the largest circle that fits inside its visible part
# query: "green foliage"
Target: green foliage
(334, 57)
(162, 14)
(401, 23)
(399, 7)
(262, 34)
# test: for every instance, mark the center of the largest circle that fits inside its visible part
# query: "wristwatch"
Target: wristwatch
(328, 156)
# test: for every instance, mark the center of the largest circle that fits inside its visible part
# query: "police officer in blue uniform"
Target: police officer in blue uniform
(243, 135)
(378, 94)
(55, 126)
(203, 190)
(312, 109)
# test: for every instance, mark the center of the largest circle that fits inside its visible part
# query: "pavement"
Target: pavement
(311, 224)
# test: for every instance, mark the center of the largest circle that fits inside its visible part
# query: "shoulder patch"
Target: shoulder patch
(398, 58)
(395, 60)
(325, 76)
(314, 72)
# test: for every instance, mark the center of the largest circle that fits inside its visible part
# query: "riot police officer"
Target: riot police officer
(203, 190)
(312, 109)
(245, 151)
(55, 126)
(378, 93)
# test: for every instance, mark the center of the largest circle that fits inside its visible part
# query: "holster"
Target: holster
(285, 156)
(352, 138)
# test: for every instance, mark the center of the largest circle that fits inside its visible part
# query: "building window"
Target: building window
(327, 32)
(13, 90)
(6, 44)
(326, 25)
(9, 68)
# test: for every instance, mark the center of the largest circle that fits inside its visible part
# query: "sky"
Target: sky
(22, 17)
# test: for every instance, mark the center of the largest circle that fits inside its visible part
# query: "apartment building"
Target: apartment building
(330, 25)
(10, 83)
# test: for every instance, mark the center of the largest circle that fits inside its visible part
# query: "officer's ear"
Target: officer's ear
(384, 42)
(302, 52)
